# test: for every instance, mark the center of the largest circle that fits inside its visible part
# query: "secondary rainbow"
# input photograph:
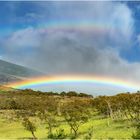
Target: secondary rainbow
(85, 25)
(34, 82)
(78, 23)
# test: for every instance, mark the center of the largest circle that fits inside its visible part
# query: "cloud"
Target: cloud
(72, 50)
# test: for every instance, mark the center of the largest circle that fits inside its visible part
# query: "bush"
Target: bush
(136, 135)
(89, 134)
(60, 134)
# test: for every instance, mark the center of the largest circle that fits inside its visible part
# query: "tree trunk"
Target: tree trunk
(108, 123)
(34, 137)
(75, 132)
(70, 130)
(59, 108)
(110, 109)
(50, 129)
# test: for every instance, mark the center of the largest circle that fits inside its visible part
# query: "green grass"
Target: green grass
(101, 130)
(114, 130)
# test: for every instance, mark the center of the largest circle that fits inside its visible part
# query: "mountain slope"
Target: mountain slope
(12, 72)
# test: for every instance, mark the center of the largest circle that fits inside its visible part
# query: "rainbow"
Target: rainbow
(83, 25)
(34, 82)
(79, 24)
(94, 26)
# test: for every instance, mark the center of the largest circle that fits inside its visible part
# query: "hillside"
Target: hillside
(4, 89)
(12, 72)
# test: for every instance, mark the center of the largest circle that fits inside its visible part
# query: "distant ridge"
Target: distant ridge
(4, 89)
(13, 72)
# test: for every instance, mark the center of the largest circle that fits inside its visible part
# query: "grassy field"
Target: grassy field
(101, 129)
(23, 112)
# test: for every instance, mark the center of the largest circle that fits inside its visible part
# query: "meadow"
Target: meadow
(101, 130)
(28, 114)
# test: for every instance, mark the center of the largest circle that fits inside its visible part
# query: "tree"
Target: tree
(75, 114)
(137, 134)
(47, 112)
(28, 125)
(49, 119)
(89, 134)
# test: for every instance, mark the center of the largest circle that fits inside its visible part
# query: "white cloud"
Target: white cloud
(23, 38)
(71, 50)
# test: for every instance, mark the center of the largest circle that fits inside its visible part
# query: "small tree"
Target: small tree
(47, 112)
(49, 119)
(137, 134)
(29, 126)
(89, 134)
(75, 114)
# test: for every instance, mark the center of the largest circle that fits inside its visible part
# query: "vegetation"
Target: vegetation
(136, 135)
(29, 126)
(68, 115)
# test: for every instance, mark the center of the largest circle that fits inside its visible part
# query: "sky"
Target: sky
(86, 38)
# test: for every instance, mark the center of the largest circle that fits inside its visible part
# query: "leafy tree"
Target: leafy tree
(72, 93)
(89, 133)
(47, 111)
(136, 135)
(28, 125)
(49, 119)
(74, 115)
(60, 134)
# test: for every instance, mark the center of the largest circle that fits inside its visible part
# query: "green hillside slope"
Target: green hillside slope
(12, 72)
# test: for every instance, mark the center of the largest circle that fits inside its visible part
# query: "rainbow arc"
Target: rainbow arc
(34, 82)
